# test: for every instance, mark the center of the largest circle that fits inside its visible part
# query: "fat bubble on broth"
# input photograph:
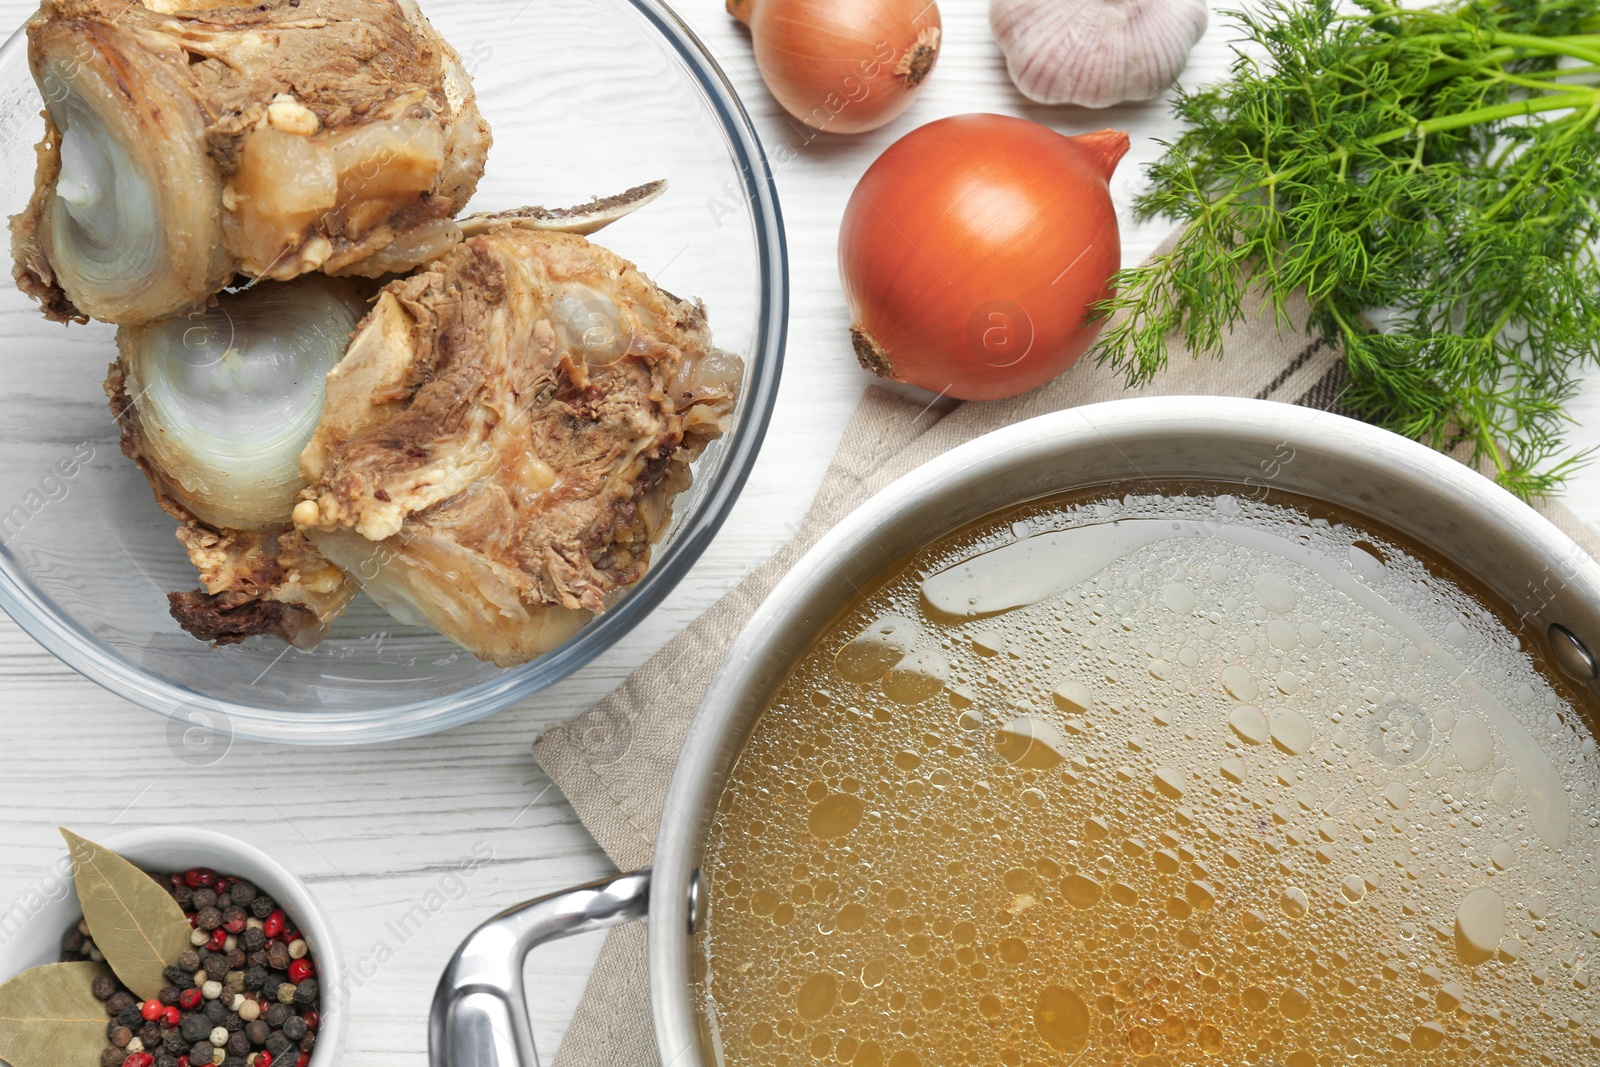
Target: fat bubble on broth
(1155, 780)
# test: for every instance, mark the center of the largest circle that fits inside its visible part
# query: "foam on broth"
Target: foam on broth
(1160, 779)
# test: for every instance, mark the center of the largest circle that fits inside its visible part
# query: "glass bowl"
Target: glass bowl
(586, 97)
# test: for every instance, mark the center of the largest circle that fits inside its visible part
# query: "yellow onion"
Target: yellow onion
(843, 66)
(974, 251)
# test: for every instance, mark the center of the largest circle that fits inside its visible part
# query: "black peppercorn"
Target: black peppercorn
(234, 1061)
(216, 1011)
(111, 1057)
(236, 959)
(253, 939)
(305, 994)
(184, 896)
(243, 893)
(150, 1034)
(294, 1028)
(278, 956)
(204, 898)
(166, 1059)
(168, 996)
(195, 1028)
(104, 987)
(255, 978)
(232, 1023)
(277, 1014)
(308, 1042)
(130, 1017)
(216, 966)
(119, 1035)
(121, 999)
(200, 1053)
(208, 919)
(239, 1045)
(174, 1043)
(189, 961)
(72, 941)
(277, 1044)
(180, 978)
(258, 1032)
(257, 959)
(261, 907)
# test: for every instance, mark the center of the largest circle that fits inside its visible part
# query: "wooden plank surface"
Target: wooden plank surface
(373, 830)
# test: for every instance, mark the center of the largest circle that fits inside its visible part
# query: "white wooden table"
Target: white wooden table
(375, 830)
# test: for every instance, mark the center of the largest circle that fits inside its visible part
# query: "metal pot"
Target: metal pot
(479, 1019)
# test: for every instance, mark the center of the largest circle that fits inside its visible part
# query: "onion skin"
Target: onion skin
(974, 250)
(843, 66)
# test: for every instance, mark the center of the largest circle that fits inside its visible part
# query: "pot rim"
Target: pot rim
(1436, 478)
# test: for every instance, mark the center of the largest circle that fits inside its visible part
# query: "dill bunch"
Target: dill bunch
(1434, 169)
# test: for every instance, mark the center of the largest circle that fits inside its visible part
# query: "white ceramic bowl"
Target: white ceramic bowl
(30, 931)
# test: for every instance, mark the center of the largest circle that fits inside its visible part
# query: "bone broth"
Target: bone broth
(1161, 779)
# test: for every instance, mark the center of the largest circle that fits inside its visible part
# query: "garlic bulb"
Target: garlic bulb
(224, 400)
(272, 139)
(1096, 53)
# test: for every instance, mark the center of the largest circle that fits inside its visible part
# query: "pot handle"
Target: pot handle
(480, 1014)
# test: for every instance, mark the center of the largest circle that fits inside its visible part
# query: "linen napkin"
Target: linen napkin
(614, 762)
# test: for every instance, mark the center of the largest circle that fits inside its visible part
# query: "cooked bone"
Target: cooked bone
(215, 408)
(184, 146)
(501, 446)
(584, 219)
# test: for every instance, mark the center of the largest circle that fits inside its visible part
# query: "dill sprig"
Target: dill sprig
(1434, 170)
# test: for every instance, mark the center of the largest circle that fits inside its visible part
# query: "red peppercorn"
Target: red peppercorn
(175, 879)
(311, 1019)
(190, 999)
(151, 1010)
(172, 1017)
(300, 970)
(274, 925)
(236, 926)
(263, 1059)
(289, 937)
(183, 1061)
(139, 1059)
(304, 1060)
(219, 940)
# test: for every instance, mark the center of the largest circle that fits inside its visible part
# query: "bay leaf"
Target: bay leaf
(50, 1018)
(136, 925)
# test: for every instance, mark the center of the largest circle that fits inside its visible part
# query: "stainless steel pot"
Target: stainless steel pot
(479, 1018)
